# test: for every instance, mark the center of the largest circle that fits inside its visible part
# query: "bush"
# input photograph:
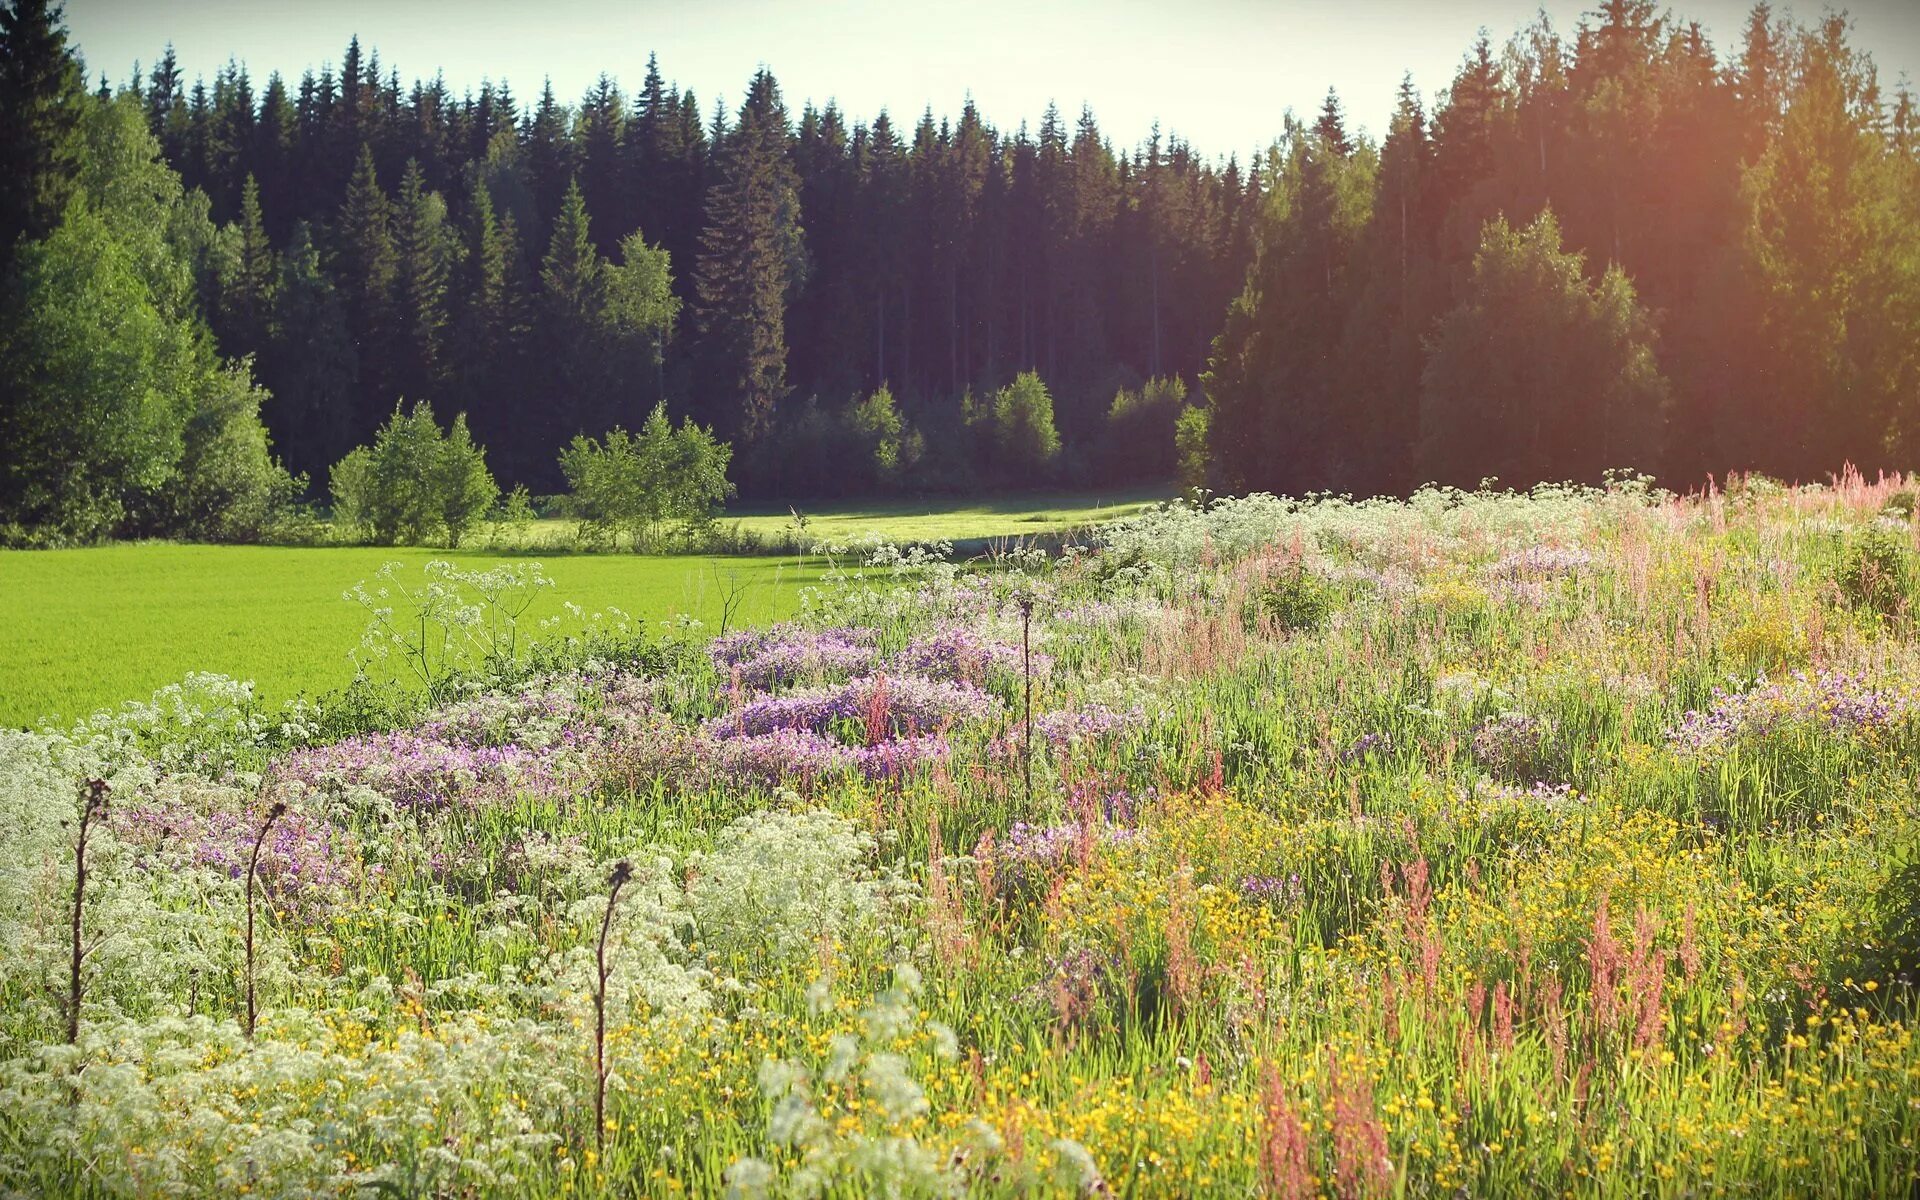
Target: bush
(1139, 439)
(1876, 571)
(1295, 600)
(1190, 433)
(228, 488)
(1014, 434)
(414, 482)
(635, 484)
(889, 447)
(463, 487)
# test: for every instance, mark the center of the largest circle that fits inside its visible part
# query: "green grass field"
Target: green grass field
(922, 520)
(97, 626)
(931, 520)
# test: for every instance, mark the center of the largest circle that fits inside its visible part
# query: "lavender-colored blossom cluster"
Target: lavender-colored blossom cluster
(956, 652)
(1512, 743)
(783, 655)
(1088, 722)
(892, 705)
(1842, 702)
(301, 856)
(1273, 890)
(421, 772)
(1365, 745)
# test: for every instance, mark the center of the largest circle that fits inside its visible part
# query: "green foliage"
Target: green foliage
(1528, 326)
(97, 379)
(1190, 448)
(1014, 431)
(120, 417)
(44, 97)
(1138, 440)
(1293, 600)
(414, 483)
(751, 257)
(464, 487)
(888, 447)
(636, 484)
(228, 487)
(1878, 571)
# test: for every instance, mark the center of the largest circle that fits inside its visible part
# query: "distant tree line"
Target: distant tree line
(1620, 249)
(556, 269)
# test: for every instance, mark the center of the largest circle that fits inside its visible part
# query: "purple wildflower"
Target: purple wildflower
(911, 705)
(1273, 890)
(301, 857)
(1089, 722)
(782, 655)
(1833, 700)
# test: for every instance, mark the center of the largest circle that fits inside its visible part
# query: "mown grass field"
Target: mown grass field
(931, 520)
(934, 519)
(94, 627)
(98, 626)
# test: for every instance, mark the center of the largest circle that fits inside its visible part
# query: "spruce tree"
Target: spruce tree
(248, 297)
(572, 316)
(750, 256)
(421, 253)
(364, 267)
(41, 95)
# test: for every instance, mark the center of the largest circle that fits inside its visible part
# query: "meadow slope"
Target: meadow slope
(1483, 845)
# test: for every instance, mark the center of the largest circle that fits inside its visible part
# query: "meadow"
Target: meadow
(1480, 844)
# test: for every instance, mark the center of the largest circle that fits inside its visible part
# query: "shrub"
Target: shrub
(1876, 571)
(1293, 601)
(1139, 441)
(463, 487)
(1014, 429)
(1190, 452)
(413, 482)
(888, 446)
(634, 484)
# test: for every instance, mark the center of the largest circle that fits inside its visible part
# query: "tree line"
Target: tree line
(556, 268)
(1622, 248)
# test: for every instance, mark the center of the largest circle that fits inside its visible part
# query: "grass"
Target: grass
(97, 626)
(966, 523)
(93, 627)
(936, 520)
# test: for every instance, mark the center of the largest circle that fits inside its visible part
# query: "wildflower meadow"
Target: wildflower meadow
(1489, 844)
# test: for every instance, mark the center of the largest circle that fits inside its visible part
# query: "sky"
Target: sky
(1219, 73)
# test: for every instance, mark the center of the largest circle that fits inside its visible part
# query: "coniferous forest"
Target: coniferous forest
(1619, 245)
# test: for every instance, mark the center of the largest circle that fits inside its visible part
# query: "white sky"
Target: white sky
(1219, 72)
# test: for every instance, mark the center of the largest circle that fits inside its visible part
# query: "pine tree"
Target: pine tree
(572, 316)
(310, 363)
(1528, 326)
(599, 139)
(249, 297)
